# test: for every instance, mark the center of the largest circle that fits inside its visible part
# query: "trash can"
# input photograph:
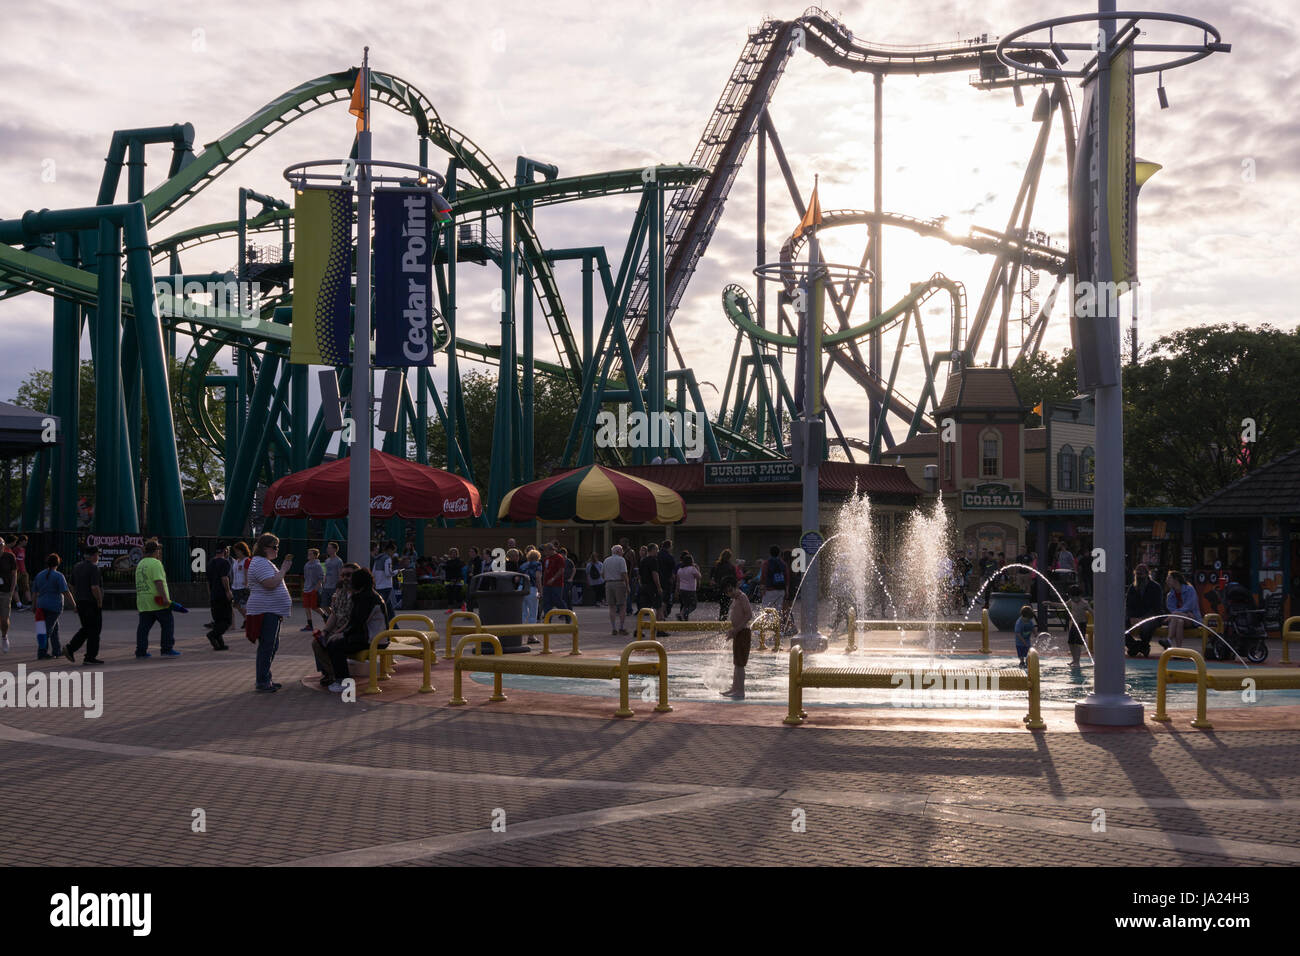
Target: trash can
(500, 601)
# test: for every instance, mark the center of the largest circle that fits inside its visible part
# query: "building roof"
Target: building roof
(981, 389)
(924, 445)
(1272, 490)
(836, 477)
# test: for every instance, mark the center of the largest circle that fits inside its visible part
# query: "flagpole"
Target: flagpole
(809, 638)
(362, 435)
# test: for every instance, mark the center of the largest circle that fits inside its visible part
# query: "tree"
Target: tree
(198, 463)
(1045, 379)
(1207, 406)
(553, 411)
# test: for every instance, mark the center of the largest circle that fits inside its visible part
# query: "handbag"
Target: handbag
(253, 627)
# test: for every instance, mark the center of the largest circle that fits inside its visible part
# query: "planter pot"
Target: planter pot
(1004, 608)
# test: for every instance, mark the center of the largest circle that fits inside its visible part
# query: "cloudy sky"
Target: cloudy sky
(633, 84)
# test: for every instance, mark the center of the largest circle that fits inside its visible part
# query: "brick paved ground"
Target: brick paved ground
(300, 776)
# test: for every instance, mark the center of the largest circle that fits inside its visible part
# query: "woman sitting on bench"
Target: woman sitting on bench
(366, 620)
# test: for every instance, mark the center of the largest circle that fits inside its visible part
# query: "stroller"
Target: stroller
(1243, 628)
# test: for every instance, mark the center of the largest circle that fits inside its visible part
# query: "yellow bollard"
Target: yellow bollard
(1162, 681)
(1290, 632)
(1034, 719)
(794, 714)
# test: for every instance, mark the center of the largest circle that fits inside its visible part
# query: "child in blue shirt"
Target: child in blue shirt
(1024, 632)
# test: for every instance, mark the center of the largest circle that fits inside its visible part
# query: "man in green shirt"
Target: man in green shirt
(153, 602)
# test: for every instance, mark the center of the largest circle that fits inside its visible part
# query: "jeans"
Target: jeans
(92, 621)
(165, 618)
(530, 608)
(552, 597)
(387, 595)
(51, 634)
(268, 642)
(456, 597)
(689, 603)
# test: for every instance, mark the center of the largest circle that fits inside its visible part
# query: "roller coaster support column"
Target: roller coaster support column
(656, 340)
(65, 396)
(874, 354)
(501, 477)
(113, 506)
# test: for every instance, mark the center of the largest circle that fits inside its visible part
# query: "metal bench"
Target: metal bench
(1212, 624)
(557, 621)
(890, 678)
(1218, 678)
(982, 625)
(402, 642)
(498, 663)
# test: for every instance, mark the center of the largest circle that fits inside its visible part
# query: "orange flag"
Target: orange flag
(358, 105)
(1038, 409)
(812, 218)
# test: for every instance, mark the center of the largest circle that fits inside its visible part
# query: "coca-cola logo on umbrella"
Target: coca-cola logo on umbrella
(458, 506)
(289, 503)
(381, 503)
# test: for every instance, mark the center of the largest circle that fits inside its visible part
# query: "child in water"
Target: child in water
(1024, 632)
(1078, 607)
(742, 612)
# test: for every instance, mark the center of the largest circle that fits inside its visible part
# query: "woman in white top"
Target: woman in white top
(238, 579)
(269, 598)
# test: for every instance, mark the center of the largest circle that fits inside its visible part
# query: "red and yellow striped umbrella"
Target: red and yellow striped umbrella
(593, 493)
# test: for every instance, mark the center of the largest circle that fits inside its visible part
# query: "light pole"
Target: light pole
(1104, 254)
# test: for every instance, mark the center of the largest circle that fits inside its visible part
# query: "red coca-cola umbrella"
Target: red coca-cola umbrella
(398, 489)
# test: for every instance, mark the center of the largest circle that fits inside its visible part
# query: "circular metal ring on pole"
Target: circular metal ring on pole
(1194, 52)
(787, 272)
(298, 174)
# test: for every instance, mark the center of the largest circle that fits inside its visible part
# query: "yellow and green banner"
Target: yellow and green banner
(322, 277)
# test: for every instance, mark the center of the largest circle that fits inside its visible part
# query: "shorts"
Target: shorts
(241, 597)
(311, 599)
(740, 647)
(616, 594)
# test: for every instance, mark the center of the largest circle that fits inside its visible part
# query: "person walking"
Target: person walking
(239, 561)
(313, 577)
(615, 571)
(8, 584)
(49, 590)
(222, 598)
(269, 604)
(667, 574)
(531, 568)
(88, 593)
(596, 579)
(649, 594)
(332, 564)
(723, 571)
(552, 578)
(773, 579)
(154, 603)
(24, 589)
(740, 615)
(383, 575)
(688, 584)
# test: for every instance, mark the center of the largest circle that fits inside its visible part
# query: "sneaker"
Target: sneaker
(4, 642)
(70, 654)
(336, 688)
(728, 693)
(42, 656)
(533, 640)
(308, 627)
(275, 686)
(613, 633)
(171, 653)
(222, 646)
(145, 654)
(267, 690)
(623, 631)
(1163, 643)
(91, 660)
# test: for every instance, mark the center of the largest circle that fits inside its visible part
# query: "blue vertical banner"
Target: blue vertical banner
(405, 240)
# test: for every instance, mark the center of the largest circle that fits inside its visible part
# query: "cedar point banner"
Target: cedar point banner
(322, 293)
(404, 245)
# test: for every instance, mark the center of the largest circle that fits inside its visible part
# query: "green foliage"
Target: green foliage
(1186, 403)
(1184, 407)
(200, 467)
(1045, 379)
(553, 411)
